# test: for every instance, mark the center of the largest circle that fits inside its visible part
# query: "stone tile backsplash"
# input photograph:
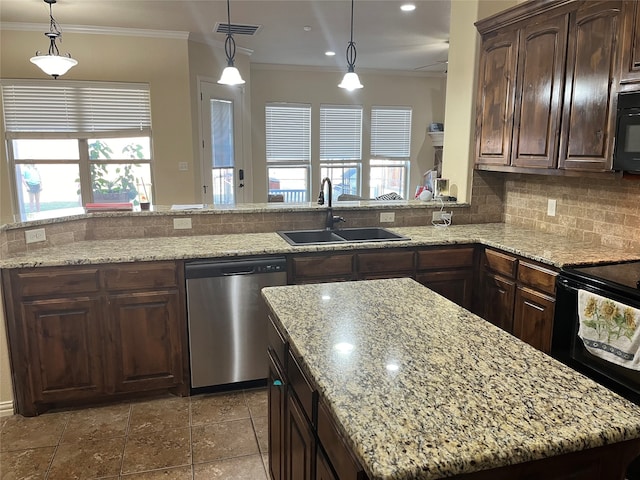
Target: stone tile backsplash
(603, 211)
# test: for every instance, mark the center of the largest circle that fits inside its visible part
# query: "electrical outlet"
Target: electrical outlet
(551, 207)
(440, 216)
(35, 235)
(387, 217)
(183, 166)
(181, 223)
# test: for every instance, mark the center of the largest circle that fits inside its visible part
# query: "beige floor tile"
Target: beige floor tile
(159, 414)
(180, 473)
(97, 423)
(265, 462)
(238, 468)
(261, 427)
(258, 402)
(29, 464)
(89, 459)
(155, 450)
(218, 408)
(223, 440)
(20, 433)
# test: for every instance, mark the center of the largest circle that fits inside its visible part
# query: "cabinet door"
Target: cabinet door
(300, 443)
(323, 470)
(588, 118)
(499, 295)
(541, 63)
(630, 42)
(64, 348)
(533, 318)
(496, 95)
(145, 333)
(321, 268)
(386, 264)
(277, 398)
(456, 285)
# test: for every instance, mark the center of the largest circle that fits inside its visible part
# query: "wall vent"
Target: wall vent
(237, 28)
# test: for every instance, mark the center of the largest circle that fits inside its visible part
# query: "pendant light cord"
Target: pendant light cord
(229, 43)
(351, 48)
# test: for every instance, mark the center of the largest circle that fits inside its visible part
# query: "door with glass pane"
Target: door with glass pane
(222, 176)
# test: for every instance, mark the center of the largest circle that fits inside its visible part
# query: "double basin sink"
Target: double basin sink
(345, 235)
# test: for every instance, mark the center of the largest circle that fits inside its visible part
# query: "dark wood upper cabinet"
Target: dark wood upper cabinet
(540, 84)
(586, 140)
(630, 50)
(549, 75)
(495, 100)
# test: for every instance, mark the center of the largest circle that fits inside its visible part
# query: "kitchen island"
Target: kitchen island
(419, 388)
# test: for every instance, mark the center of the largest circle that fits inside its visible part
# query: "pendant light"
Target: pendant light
(230, 74)
(53, 63)
(351, 81)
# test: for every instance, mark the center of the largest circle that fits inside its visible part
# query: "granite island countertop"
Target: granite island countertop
(423, 389)
(540, 246)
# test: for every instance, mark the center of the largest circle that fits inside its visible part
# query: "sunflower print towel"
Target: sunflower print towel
(609, 330)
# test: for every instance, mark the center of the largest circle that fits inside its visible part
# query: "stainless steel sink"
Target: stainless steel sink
(345, 235)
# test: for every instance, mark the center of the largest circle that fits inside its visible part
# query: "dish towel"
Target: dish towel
(609, 330)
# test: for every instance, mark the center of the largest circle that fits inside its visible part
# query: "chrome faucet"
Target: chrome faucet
(331, 219)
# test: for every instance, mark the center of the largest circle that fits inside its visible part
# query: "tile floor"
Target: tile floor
(214, 436)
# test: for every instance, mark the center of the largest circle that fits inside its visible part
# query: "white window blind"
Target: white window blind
(288, 132)
(391, 132)
(66, 106)
(340, 133)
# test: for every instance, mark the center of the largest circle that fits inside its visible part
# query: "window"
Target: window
(288, 145)
(341, 147)
(71, 143)
(222, 151)
(390, 150)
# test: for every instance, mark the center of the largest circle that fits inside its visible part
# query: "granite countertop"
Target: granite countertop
(423, 389)
(547, 248)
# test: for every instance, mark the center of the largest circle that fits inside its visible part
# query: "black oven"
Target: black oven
(627, 150)
(617, 282)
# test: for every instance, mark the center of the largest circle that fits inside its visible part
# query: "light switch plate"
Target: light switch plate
(182, 223)
(183, 166)
(551, 207)
(35, 235)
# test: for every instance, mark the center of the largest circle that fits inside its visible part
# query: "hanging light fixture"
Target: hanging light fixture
(53, 63)
(351, 80)
(230, 74)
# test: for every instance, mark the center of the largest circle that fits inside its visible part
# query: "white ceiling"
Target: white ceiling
(386, 38)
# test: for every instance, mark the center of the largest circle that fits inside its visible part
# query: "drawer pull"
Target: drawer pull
(533, 305)
(277, 383)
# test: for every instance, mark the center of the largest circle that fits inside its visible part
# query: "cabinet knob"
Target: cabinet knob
(277, 383)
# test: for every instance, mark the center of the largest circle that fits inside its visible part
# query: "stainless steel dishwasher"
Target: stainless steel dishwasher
(227, 318)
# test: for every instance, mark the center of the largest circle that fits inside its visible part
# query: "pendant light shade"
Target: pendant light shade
(53, 63)
(230, 75)
(351, 81)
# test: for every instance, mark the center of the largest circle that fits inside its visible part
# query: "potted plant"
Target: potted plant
(115, 185)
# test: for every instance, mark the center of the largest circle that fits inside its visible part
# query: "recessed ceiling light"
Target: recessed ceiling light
(306, 28)
(408, 7)
(330, 53)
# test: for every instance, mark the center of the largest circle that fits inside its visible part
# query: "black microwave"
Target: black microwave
(627, 151)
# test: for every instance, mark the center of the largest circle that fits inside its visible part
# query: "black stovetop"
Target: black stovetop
(619, 274)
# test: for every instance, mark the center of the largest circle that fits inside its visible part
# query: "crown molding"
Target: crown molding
(93, 30)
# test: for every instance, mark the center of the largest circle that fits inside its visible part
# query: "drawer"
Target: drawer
(445, 258)
(382, 261)
(140, 275)
(338, 452)
(318, 266)
(277, 343)
(500, 263)
(63, 281)
(537, 277)
(301, 386)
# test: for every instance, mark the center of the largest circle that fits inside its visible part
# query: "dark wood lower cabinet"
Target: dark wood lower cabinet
(323, 468)
(276, 392)
(455, 285)
(300, 442)
(64, 352)
(533, 318)
(87, 334)
(499, 294)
